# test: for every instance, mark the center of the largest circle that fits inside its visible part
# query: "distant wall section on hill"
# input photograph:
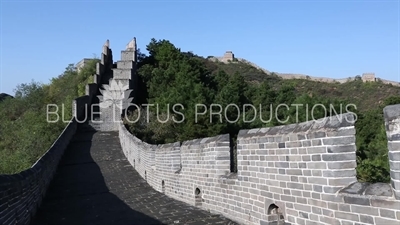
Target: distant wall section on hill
(301, 173)
(229, 57)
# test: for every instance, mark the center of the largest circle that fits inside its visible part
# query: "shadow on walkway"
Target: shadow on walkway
(95, 184)
(79, 192)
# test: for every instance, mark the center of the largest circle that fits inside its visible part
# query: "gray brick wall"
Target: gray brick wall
(306, 169)
(21, 194)
(392, 123)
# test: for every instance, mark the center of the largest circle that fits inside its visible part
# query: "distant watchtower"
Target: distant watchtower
(82, 63)
(368, 77)
(228, 56)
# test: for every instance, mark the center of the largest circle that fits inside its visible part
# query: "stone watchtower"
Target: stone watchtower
(82, 64)
(228, 56)
(119, 91)
(368, 77)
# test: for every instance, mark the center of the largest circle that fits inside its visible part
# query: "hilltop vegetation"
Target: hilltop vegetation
(25, 134)
(169, 76)
(365, 95)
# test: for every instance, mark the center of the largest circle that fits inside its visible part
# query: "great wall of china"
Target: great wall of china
(229, 57)
(295, 174)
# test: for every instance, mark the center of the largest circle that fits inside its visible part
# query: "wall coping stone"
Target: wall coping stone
(368, 190)
(392, 120)
(170, 145)
(332, 123)
(391, 112)
(218, 138)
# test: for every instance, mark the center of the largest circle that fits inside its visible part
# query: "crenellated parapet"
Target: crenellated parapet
(112, 90)
(121, 87)
(104, 67)
(298, 174)
(125, 71)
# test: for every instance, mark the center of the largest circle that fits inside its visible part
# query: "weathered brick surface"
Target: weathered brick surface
(21, 194)
(95, 184)
(124, 73)
(392, 123)
(307, 170)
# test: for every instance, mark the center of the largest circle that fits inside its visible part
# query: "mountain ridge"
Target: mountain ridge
(229, 57)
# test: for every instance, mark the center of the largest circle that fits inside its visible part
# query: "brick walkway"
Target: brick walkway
(95, 184)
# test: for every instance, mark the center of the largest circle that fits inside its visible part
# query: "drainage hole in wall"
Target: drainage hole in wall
(197, 197)
(275, 214)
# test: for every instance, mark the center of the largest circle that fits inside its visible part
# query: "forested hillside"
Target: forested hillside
(169, 76)
(25, 134)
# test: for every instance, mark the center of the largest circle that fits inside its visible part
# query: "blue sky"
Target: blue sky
(334, 39)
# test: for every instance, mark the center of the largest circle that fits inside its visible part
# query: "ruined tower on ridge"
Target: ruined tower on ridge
(368, 77)
(228, 56)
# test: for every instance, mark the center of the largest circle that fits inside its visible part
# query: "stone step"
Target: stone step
(125, 64)
(128, 55)
(120, 73)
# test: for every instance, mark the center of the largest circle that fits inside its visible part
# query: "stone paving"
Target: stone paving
(95, 184)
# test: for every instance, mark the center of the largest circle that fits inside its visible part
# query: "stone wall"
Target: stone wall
(21, 194)
(365, 76)
(301, 173)
(103, 73)
(392, 124)
(394, 83)
(341, 80)
(254, 65)
(368, 77)
(321, 79)
(122, 76)
(111, 78)
(82, 63)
